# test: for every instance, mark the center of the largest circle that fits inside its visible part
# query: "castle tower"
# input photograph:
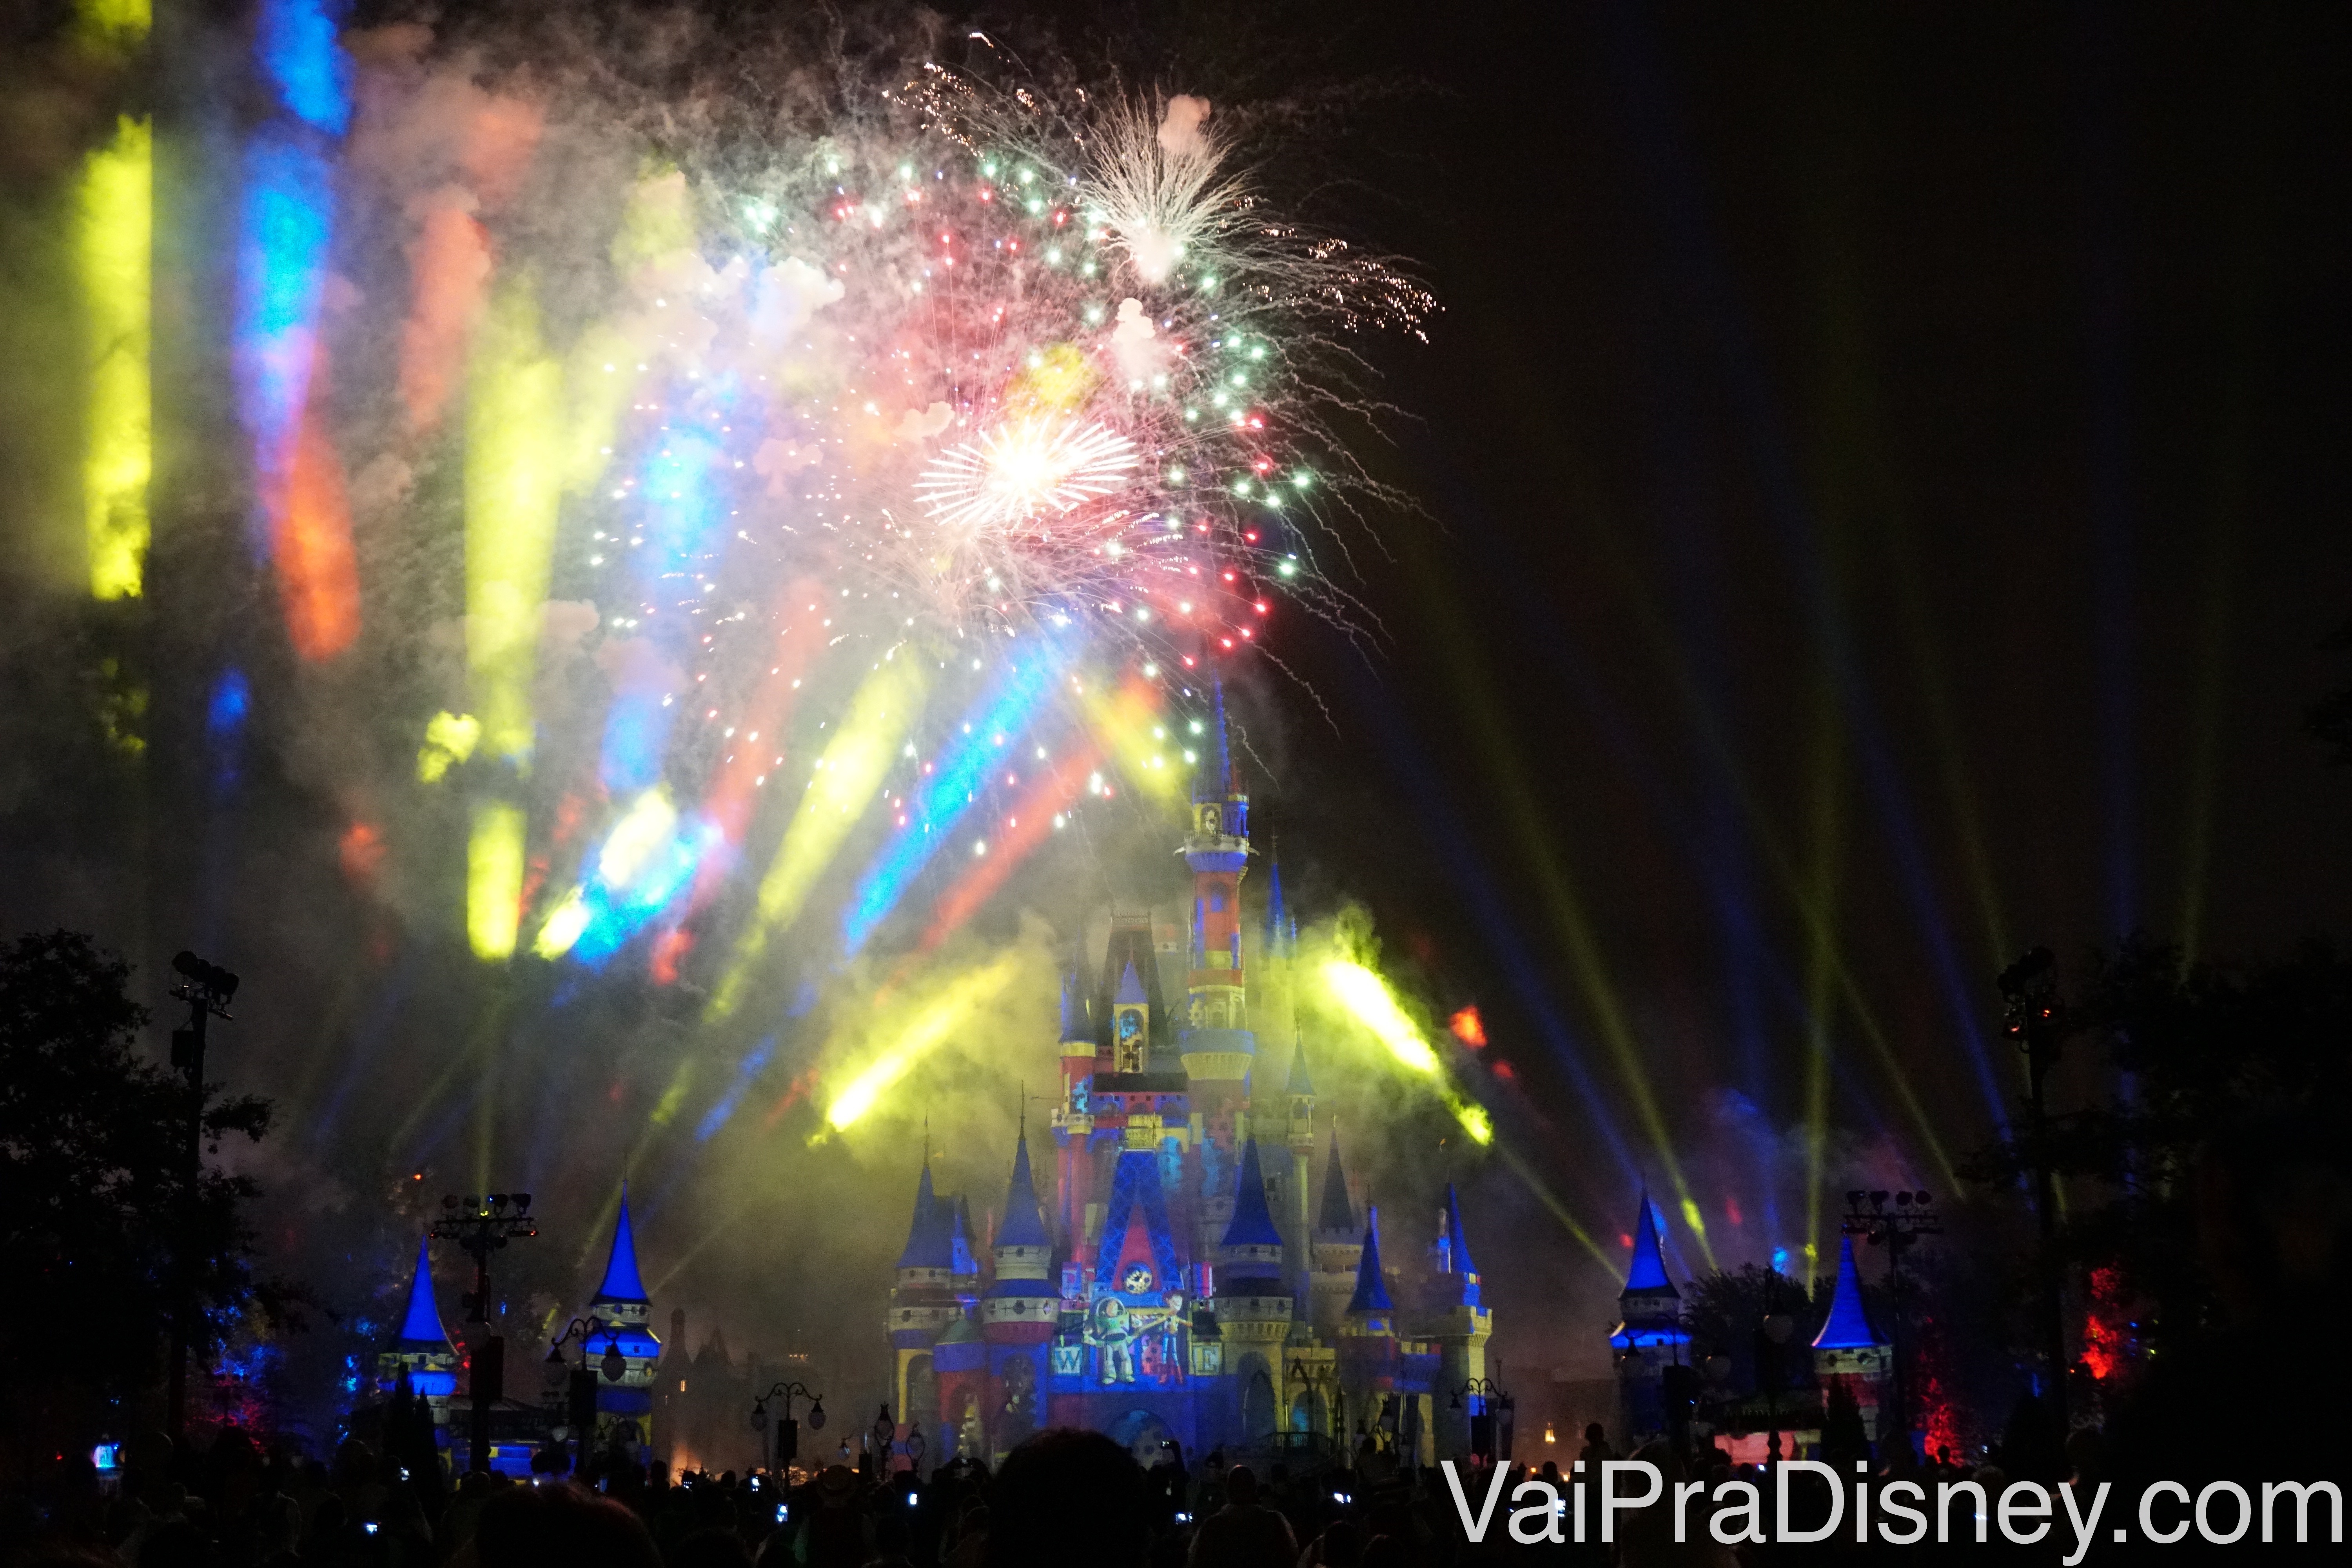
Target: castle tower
(625, 1408)
(1848, 1352)
(1371, 1314)
(1277, 1005)
(923, 1303)
(422, 1349)
(1460, 1323)
(1254, 1305)
(1334, 1248)
(1023, 1295)
(1298, 1090)
(1130, 1023)
(1649, 1338)
(1074, 1118)
(963, 1262)
(1217, 1044)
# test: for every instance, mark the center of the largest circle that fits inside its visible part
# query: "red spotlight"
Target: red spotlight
(1468, 1029)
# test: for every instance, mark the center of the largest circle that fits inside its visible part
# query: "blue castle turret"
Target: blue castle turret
(1849, 1351)
(1649, 1337)
(624, 1405)
(422, 1347)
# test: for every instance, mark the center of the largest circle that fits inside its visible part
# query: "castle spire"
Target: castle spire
(1253, 1223)
(1023, 1225)
(1221, 754)
(420, 1326)
(1458, 1246)
(1648, 1275)
(1299, 1082)
(1337, 1213)
(1281, 927)
(1371, 1286)
(621, 1280)
(1847, 1326)
(929, 1242)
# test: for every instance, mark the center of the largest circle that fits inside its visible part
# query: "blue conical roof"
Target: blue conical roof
(1074, 1010)
(1457, 1245)
(1130, 988)
(1024, 1226)
(1279, 928)
(1299, 1082)
(959, 1235)
(1336, 1212)
(621, 1280)
(930, 1242)
(1848, 1325)
(1648, 1275)
(1253, 1222)
(1371, 1286)
(420, 1327)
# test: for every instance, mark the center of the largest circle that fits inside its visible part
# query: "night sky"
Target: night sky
(1881, 506)
(1886, 485)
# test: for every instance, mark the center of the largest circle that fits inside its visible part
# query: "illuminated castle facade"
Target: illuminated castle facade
(1171, 1266)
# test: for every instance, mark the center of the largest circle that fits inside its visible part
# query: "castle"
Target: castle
(1181, 1277)
(621, 1347)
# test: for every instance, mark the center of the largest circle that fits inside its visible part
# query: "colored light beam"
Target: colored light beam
(285, 226)
(759, 755)
(114, 255)
(1029, 824)
(514, 441)
(119, 25)
(1367, 1000)
(310, 541)
(295, 41)
(645, 863)
(494, 867)
(842, 784)
(746, 1074)
(682, 504)
(1127, 725)
(952, 788)
(933, 1025)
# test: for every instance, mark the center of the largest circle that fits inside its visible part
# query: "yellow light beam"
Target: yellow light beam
(933, 1025)
(514, 468)
(1371, 1002)
(842, 783)
(494, 872)
(1123, 723)
(114, 251)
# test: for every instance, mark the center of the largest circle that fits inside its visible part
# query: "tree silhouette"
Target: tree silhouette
(101, 1227)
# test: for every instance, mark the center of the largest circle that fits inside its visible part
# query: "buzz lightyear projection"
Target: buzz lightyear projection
(1137, 1334)
(1114, 1332)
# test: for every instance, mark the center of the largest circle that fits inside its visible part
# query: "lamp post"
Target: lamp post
(2029, 989)
(1771, 1338)
(580, 1392)
(1485, 1430)
(207, 989)
(784, 1443)
(481, 1226)
(879, 1437)
(1898, 1229)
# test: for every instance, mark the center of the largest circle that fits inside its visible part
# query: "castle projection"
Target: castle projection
(1171, 1266)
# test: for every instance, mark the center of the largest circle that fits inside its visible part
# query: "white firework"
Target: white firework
(1156, 186)
(1024, 470)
